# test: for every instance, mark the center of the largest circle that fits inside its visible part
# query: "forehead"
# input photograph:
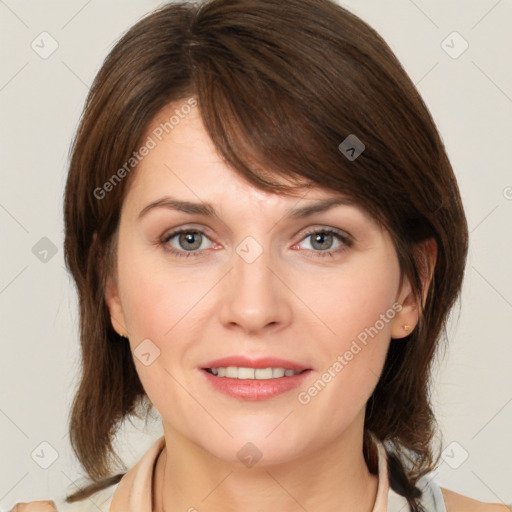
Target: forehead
(184, 163)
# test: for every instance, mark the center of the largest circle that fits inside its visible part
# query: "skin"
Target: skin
(454, 503)
(287, 303)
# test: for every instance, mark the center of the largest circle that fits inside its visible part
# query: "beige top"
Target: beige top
(133, 492)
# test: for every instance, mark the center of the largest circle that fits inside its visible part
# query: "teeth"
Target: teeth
(279, 372)
(243, 373)
(235, 372)
(263, 373)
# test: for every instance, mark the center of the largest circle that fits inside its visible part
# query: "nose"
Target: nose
(255, 295)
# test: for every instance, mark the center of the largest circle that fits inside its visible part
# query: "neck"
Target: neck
(334, 477)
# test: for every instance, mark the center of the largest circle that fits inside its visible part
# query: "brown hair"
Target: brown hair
(279, 84)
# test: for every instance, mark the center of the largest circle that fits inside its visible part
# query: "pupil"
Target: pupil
(189, 239)
(320, 238)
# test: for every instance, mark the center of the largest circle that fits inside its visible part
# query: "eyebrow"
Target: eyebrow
(207, 210)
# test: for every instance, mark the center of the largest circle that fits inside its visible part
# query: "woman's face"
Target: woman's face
(250, 281)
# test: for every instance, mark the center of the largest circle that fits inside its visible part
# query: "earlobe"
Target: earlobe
(115, 307)
(407, 318)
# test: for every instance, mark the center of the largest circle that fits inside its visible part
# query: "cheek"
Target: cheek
(154, 302)
(351, 302)
(356, 310)
(155, 296)
(146, 305)
(164, 305)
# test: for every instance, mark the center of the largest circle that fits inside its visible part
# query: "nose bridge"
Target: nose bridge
(255, 296)
(252, 264)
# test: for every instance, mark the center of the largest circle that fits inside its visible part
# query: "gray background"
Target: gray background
(470, 97)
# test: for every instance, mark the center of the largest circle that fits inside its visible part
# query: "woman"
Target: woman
(288, 348)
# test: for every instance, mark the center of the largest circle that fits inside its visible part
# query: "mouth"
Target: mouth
(254, 379)
(246, 373)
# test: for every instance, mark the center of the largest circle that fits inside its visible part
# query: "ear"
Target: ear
(112, 298)
(115, 307)
(425, 254)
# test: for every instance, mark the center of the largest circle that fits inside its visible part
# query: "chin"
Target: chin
(255, 446)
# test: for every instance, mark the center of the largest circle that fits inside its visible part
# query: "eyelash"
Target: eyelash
(321, 254)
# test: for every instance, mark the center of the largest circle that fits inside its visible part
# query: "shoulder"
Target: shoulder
(458, 503)
(35, 506)
(97, 502)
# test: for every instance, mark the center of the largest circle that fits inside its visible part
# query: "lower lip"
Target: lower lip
(252, 389)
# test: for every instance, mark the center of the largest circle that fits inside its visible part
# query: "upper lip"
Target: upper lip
(260, 362)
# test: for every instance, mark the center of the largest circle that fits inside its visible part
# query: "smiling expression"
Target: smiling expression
(209, 267)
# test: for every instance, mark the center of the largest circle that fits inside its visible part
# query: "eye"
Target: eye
(191, 240)
(322, 241)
